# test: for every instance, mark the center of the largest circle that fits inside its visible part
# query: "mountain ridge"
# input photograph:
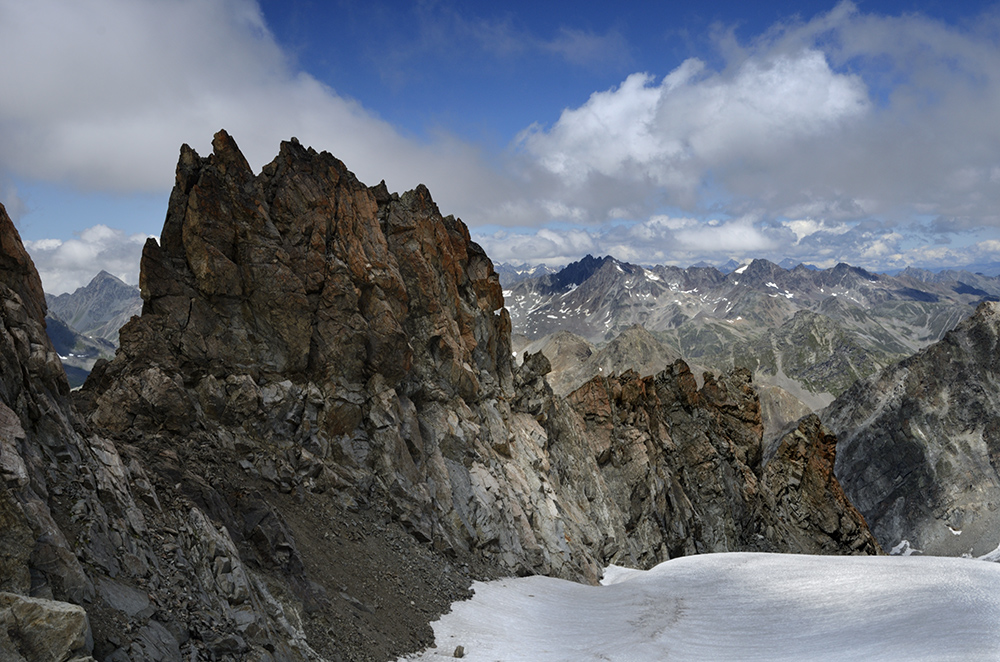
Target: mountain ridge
(919, 450)
(860, 321)
(98, 309)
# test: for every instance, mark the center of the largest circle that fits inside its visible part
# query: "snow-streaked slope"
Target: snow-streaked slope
(738, 606)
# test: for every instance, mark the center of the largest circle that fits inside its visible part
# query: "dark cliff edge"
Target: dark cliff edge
(314, 438)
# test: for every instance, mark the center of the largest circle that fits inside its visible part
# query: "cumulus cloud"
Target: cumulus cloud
(683, 241)
(662, 239)
(695, 124)
(842, 118)
(106, 91)
(67, 265)
(691, 121)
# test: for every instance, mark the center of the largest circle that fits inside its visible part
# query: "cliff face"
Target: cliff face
(920, 447)
(50, 467)
(314, 437)
(681, 468)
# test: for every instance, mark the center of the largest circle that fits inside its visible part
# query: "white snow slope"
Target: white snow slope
(738, 606)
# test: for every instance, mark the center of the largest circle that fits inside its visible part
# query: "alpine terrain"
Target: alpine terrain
(83, 325)
(920, 443)
(315, 437)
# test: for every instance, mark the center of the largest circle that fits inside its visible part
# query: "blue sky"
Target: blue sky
(657, 132)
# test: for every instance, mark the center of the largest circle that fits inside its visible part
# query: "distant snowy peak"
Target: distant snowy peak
(599, 297)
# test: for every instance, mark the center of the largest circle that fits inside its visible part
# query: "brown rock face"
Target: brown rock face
(815, 515)
(314, 438)
(687, 463)
(304, 272)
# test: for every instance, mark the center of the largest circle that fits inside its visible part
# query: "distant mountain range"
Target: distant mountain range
(810, 332)
(83, 325)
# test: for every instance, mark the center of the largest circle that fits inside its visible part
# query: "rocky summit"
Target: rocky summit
(315, 437)
(920, 449)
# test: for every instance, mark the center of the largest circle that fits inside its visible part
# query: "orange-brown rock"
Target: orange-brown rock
(805, 504)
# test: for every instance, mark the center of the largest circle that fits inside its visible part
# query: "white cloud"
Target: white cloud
(661, 239)
(694, 122)
(67, 265)
(831, 122)
(685, 241)
(741, 236)
(807, 226)
(106, 91)
(845, 117)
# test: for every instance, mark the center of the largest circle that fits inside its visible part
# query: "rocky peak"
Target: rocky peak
(306, 271)
(314, 438)
(759, 272)
(576, 273)
(800, 478)
(98, 309)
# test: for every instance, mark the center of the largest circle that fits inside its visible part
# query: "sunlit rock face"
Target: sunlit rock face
(314, 437)
(920, 443)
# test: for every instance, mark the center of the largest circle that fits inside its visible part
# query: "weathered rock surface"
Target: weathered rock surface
(920, 450)
(688, 464)
(805, 507)
(314, 437)
(43, 630)
(575, 361)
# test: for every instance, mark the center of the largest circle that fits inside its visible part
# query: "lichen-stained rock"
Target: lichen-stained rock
(673, 470)
(43, 630)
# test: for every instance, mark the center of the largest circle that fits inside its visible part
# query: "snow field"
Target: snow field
(738, 606)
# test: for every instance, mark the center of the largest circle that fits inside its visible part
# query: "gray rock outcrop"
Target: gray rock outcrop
(42, 630)
(920, 443)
